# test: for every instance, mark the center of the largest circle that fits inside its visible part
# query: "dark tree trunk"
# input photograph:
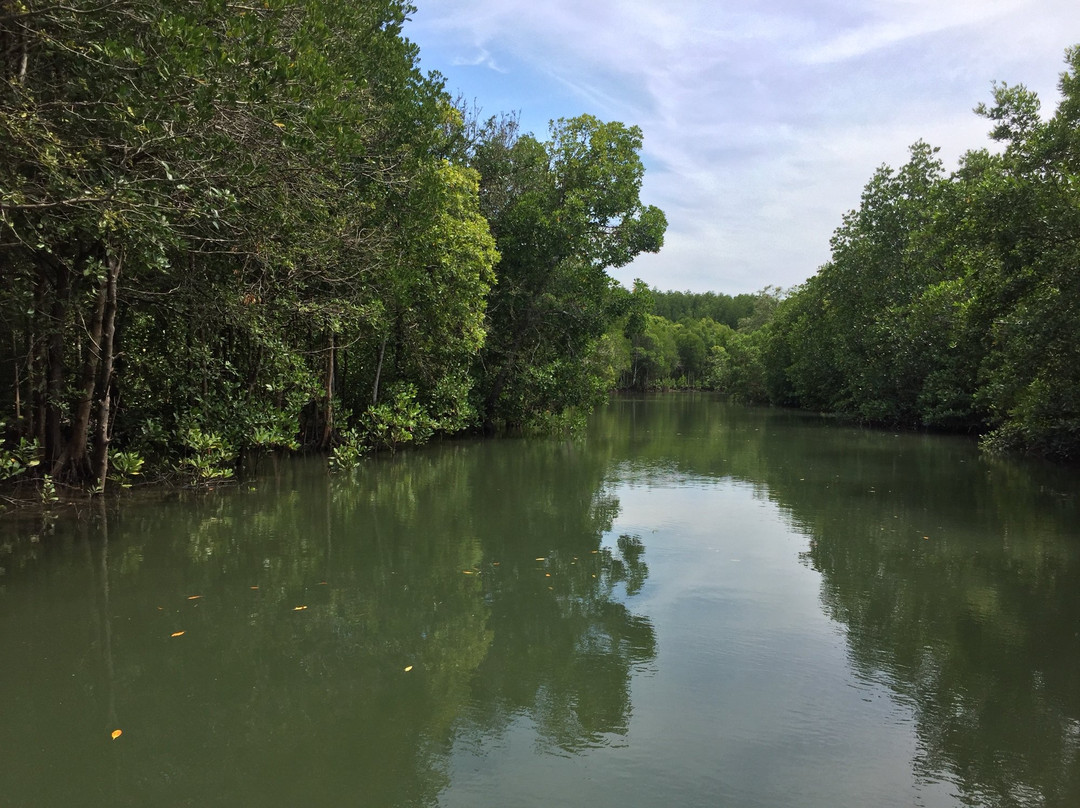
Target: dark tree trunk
(74, 464)
(54, 365)
(378, 373)
(108, 332)
(328, 412)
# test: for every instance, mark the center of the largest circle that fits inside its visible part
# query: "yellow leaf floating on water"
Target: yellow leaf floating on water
(468, 572)
(408, 668)
(116, 733)
(547, 574)
(299, 608)
(194, 597)
(177, 634)
(541, 558)
(253, 587)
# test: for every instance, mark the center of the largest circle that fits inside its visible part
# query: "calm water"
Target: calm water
(694, 605)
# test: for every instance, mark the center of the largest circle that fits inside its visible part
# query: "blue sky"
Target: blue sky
(764, 119)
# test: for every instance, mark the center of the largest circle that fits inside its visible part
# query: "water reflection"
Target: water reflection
(337, 636)
(957, 578)
(389, 639)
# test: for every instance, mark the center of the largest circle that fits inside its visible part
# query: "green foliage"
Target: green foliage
(399, 422)
(950, 300)
(126, 464)
(123, 466)
(48, 490)
(726, 309)
(229, 229)
(561, 212)
(347, 453)
(19, 458)
(737, 369)
(270, 194)
(209, 458)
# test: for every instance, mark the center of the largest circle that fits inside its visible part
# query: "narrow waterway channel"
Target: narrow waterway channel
(692, 604)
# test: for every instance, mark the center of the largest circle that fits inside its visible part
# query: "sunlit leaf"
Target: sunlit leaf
(468, 572)
(194, 597)
(299, 608)
(408, 668)
(541, 558)
(116, 733)
(177, 634)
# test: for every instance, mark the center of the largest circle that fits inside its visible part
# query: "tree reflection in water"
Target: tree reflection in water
(957, 578)
(443, 592)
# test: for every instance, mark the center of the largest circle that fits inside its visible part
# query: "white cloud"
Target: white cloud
(762, 122)
(481, 58)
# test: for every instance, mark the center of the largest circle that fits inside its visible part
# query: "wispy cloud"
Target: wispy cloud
(482, 58)
(762, 121)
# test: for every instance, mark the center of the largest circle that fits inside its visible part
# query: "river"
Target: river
(691, 604)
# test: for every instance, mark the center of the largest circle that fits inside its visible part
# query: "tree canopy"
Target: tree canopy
(950, 299)
(227, 227)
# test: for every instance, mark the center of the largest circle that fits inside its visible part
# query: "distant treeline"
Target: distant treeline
(952, 300)
(725, 309)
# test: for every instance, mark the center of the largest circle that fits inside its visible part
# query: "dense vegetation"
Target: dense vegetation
(228, 227)
(673, 340)
(952, 301)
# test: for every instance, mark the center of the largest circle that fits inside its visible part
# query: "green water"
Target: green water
(694, 605)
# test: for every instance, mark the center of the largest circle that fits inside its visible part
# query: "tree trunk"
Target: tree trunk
(35, 362)
(54, 373)
(18, 379)
(108, 332)
(328, 414)
(74, 463)
(503, 376)
(378, 373)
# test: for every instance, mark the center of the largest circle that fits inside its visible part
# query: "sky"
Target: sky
(763, 119)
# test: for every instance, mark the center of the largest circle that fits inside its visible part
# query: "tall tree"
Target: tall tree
(562, 212)
(211, 210)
